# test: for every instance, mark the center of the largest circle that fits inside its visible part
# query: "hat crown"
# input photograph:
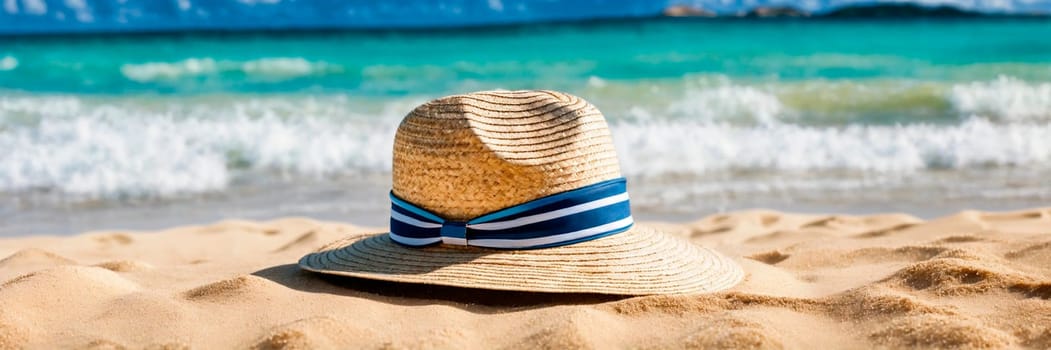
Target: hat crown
(463, 156)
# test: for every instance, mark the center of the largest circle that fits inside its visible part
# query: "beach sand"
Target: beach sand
(970, 280)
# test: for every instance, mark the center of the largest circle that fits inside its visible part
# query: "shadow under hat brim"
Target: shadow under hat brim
(640, 261)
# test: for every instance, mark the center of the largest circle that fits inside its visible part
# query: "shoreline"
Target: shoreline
(368, 205)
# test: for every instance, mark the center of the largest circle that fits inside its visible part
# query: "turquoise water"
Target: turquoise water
(707, 115)
(563, 56)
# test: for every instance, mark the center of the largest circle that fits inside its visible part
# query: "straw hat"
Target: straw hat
(461, 158)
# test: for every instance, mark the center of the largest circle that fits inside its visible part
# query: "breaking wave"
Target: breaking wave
(278, 68)
(699, 148)
(1006, 98)
(161, 147)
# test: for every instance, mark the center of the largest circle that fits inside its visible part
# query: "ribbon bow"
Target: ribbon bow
(579, 215)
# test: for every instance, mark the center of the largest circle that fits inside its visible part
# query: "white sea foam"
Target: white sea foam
(98, 150)
(8, 63)
(699, 99)
(167, 71)
(276, 68)
(718, 99)
(660, 148)
(160, 147)
(286, 67)
(13, 109)
(1006, 99)
(727, 102)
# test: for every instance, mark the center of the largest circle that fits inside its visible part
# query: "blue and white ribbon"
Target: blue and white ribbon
(579, 215)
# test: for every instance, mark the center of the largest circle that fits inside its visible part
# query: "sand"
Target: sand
(970, 280)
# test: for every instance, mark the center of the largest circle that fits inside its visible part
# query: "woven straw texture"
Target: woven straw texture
(466, 155)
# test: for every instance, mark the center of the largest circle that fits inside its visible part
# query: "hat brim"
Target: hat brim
(640, 261)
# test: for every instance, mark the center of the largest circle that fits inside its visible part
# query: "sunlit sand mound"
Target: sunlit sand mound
(30, 259)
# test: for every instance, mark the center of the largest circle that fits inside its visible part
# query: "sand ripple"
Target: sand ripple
(971, 280)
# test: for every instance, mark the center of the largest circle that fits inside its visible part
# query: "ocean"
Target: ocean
(149, 131)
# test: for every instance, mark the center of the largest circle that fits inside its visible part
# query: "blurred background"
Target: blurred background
(135, 114)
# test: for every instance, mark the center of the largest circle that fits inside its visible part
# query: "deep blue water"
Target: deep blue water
(80, 16)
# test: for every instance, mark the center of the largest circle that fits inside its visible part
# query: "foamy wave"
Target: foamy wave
(287, 67)
(728, 102)
(16, 108)
(161, 147)
(8, 63)
(270, 68)
(157, 71)
(699, 99)
(102, 156)
(1006, 99)
(700, 148)
(102, 151)
(719, 99)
